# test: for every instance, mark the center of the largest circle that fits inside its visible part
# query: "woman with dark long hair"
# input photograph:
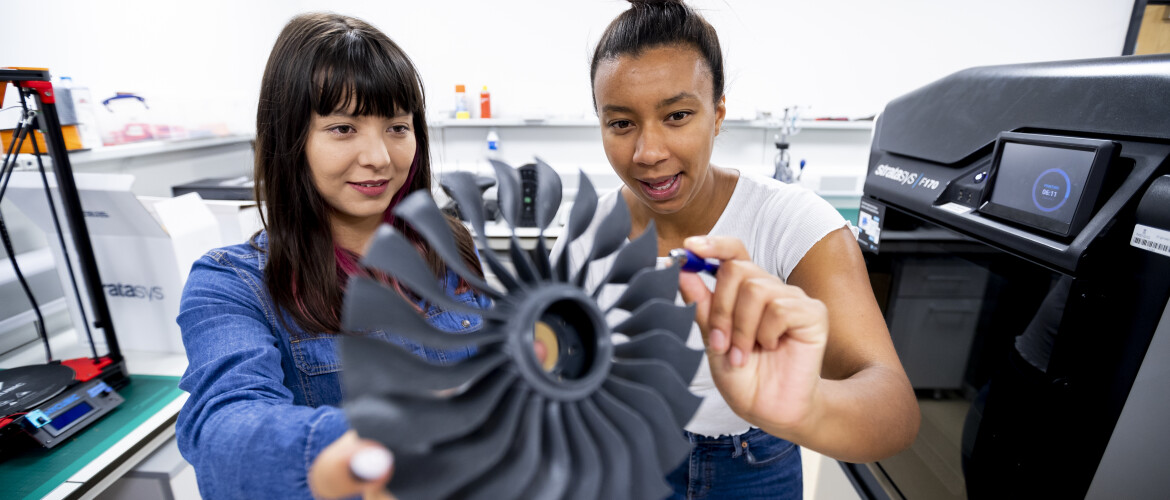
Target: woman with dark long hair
(341, 137)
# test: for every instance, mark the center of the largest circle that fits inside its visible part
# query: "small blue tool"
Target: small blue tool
(691, 263)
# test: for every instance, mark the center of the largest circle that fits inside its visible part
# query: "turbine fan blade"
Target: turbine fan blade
(584, 205)
(548, 201)
(388, 370)
(548, 194)
(501, 271)
(512, 474)
(507, 192)
(552, 480)
(616, 457)
(669, 444)
(664, 346)
(462, 188)
(428, 421)
(586, 459)
(660, 376)
(524, 266)
(371, 306)
(611, 234)
(647, 285)
(651, 480)
(459, 462)
(394, 255)
(659, 314)
(542, 262)
(639, 254)
(420, 211)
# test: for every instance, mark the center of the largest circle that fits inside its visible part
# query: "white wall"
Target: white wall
(202, 60)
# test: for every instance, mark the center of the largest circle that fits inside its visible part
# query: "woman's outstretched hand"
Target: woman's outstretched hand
(765, 339)
(351, 466)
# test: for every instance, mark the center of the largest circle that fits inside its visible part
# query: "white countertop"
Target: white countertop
(65, 345)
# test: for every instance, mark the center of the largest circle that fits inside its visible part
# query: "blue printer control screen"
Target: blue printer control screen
(1042, 180)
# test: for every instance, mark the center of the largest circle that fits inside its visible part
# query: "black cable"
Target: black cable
(40, 323)
(11, 151)
(61, 237)
(7, 168)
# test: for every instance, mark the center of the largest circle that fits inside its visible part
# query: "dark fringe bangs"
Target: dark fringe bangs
(359, 72)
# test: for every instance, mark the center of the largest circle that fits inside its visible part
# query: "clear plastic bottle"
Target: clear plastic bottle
(87, 120)
(65, 110)
(493, 144)
(461, 103)
(76, 115)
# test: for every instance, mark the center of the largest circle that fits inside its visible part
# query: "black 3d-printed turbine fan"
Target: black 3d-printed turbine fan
(595, 420)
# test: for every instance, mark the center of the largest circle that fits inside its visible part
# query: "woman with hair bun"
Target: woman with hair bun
(797, 351)
(341, 137)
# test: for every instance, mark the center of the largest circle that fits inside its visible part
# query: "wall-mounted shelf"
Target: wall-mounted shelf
(158, 165)
(512, 122)
(803, 124)
(140, 149)
(592, 123)
(144, 148)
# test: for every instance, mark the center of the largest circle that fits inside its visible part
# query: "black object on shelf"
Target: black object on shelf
(528, 189)
(219, 188)
(483, 183)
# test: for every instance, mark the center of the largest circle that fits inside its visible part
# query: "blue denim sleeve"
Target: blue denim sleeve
(483, 301)
(240, 428)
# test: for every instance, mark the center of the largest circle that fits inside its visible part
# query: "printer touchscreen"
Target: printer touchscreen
(1047, 182)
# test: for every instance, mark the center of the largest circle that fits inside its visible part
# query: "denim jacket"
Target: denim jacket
(264, 399)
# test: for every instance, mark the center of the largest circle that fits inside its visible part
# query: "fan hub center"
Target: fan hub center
(575, 341)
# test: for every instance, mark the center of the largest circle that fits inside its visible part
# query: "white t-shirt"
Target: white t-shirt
(777, 222)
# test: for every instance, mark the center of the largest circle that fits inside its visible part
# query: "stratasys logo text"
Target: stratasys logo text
(129, 291)
(895, 174)
(904, 177)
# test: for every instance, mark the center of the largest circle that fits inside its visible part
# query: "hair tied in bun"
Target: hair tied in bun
(660, 23)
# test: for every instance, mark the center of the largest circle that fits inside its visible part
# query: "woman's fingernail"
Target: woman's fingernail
(718, 340)
(735, 356)
(369, 464)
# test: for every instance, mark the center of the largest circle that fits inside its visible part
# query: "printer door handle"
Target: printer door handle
(947, 278)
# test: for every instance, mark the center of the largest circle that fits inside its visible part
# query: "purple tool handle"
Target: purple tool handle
(691, 263)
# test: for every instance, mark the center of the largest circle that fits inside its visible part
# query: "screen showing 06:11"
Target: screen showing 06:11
(1042, 180)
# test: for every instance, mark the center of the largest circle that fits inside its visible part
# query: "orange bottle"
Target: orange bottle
(485, 103)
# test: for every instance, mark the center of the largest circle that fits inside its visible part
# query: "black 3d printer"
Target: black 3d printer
(1029, 206)
(41, 406)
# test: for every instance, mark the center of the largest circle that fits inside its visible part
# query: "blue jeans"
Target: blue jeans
(751, 465)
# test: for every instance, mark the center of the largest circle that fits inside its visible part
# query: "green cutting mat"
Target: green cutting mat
(35, 473)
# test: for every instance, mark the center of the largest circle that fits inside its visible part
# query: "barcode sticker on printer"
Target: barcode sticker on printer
(1151, 238)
